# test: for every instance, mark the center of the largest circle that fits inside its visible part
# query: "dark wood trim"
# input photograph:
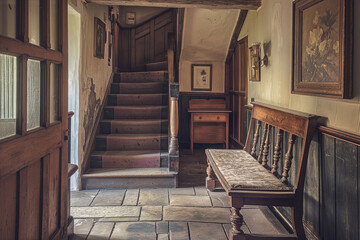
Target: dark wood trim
(45, 94)
(341, 135)
(22, 93)
(45, 196)
(45, 23)
(95, 130)
(217, 4)
(17, 47)
(210, 94)
(239, 25)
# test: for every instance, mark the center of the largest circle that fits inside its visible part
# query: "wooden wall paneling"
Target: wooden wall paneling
(8, 206)
(346, 195)
(115, 46)
(159, 46)
(132, 49)
(124, 50)
(328, 203)
(147, 49)
(312, 185)
(139, 54)
(358, 155)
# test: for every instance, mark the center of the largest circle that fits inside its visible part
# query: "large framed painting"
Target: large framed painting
(99, 38)
(323, 48)
(201, 77)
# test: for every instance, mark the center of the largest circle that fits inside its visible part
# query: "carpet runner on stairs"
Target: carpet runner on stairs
(133, 137)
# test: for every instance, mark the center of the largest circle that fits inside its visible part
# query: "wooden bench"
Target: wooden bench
(249, 178)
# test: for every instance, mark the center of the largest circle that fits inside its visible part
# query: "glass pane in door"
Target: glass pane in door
(33, 94)
(34, 22)
(54, 21)
(54, 93)
(8, 18)
(8, 91)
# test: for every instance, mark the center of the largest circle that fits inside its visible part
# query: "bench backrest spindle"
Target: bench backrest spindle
(277, 151)
(256, 138)
(300, 127)
(266, 146)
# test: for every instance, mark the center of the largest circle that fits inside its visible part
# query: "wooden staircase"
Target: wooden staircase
(132, 145)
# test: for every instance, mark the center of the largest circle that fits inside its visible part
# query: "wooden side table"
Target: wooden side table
(209, 126)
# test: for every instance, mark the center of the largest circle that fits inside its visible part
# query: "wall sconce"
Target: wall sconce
(256, 61)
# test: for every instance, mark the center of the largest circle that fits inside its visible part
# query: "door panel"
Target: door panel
(238, 72)
(33, 162)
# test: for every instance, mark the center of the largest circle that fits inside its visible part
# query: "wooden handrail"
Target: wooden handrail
(173, 106)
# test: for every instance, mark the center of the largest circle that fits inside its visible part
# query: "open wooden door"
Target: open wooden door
(238, 75)
(33, 119)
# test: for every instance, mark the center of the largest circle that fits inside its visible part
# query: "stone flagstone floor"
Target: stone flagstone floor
(158, 214)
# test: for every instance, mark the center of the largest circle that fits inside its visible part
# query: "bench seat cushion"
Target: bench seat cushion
(242, 172)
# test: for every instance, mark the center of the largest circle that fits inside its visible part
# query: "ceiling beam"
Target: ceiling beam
(218, 4)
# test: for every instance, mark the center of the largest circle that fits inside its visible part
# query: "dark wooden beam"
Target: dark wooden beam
(220, 4)
(236, 33)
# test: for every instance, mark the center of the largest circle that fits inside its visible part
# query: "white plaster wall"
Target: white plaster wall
(274, 23)
(206, 38)
(90, 66)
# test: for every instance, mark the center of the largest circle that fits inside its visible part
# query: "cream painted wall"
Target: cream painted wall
(274, 23)
(91, 68)
(206, 38)
(218, 73)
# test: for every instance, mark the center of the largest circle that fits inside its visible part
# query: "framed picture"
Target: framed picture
(99, 38)
(201, 77)
(323, 48)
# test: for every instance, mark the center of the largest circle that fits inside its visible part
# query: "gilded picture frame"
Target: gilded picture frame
(99, 38)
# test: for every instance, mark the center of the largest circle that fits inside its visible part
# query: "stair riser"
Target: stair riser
(127, 183)
(123, 162)
(131, 113)
(157, 66)
(133, 127)
(119, 88)
(141, 77)
(110, 143)
(147, 99)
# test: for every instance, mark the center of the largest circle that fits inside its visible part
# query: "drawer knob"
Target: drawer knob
(200, 117)
(218, 117)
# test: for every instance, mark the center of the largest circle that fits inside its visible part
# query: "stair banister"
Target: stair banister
(173, 106)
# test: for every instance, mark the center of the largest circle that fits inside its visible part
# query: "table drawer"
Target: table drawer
(209, 117)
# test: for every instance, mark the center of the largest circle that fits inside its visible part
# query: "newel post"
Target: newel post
(174, 127)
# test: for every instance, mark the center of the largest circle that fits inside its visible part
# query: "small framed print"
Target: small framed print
(99, 38)
(201, 77)
(130, 18)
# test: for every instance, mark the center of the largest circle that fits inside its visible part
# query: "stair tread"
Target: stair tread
(137, 106)
(135, 94)
(127, 172)
(154, 63)
(135, 120)
(128, 153)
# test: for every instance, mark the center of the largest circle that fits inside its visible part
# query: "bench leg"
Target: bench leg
(237, 220)
(211, 178)
(298, 226)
